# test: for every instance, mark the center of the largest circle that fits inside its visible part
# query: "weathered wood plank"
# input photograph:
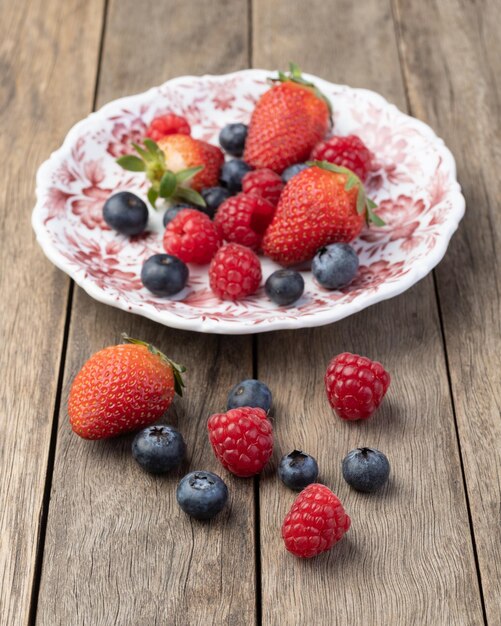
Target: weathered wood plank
(408, 558)
(118, 548)
(48, 58)
(451, 55)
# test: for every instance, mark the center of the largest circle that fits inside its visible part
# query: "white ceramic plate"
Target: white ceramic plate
(413, 181)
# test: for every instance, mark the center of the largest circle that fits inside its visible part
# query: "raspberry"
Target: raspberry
(264, 183)
(355, 385)
(244, 218)
(168, 124)
(235, 272)
(315, 522)
(350, 152)
(242, 440)
(192, 237)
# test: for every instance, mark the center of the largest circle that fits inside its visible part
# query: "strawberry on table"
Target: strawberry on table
(122, 388)
(287, 122)
(168, 124)
(323, 204)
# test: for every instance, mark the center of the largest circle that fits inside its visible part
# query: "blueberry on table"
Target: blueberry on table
(214, 196)
(251, 393)
(284, 287)
(297, 470)
(232, 173)
(335, 266)
(159, 448)
(164, 274)
(365, 469)
(202, 494)
(126, 213)
(232, 139)
(292, 170)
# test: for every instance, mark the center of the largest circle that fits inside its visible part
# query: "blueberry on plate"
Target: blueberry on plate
(159, 448)
(365, 469)
(284, 287)
(292, 170)
(126, 213)
(214, 196)
(232, 139)
(335, 266)
(202, 494)
(232, 173)
(164, 274)
(297, 470)
(252, 393)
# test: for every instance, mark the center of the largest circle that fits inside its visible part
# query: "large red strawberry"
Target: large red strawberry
(122, 388)
(287, 122)
(323, 204)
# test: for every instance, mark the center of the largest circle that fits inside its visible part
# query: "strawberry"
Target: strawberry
(177, 167)
(287, 122)
(323, 204)
(122, 388)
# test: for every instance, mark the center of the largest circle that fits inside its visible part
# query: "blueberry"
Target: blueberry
(250, 393)
(202, 494)
(214, 196)
(297, 470)
(365, 469)
(126, 213)
(232, 173)
(164, 274)
(232, 139)
(158, 449)
(292, 170)
(335, 266)
(284, 287)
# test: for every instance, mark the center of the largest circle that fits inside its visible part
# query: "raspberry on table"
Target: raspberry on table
(168, 124)
(349, 151)
(355, 385)
(316, 521)
(242, 440)
(244, 218)
(192, 237)
(235, 272)
(264, 183)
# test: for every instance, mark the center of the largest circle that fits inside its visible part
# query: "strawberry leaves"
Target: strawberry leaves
(164, 183)
(295, 76)
(364, 204)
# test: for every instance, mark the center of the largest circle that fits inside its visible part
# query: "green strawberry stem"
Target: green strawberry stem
(364, 204)
(295, 76)
(164, 183)
(177, 369)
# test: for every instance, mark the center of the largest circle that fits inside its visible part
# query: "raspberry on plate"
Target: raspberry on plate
(242, 440)
(349, 151)
(315, 522)
(192, 237)
(244, 218)
(168, 124)
(355, 385)
(235, 272)
(264, 183)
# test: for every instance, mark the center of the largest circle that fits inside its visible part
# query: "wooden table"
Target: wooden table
(86, 537)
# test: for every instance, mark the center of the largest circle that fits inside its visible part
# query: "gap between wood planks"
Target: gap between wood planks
(394, 5)
(44, 512)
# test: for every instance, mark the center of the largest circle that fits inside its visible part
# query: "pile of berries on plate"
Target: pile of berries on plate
(128, 387)
(291, 190)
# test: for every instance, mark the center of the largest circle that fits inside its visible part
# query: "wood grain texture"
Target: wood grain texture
(47, 83)
(408, 558)
(118, 548)
(451, 55)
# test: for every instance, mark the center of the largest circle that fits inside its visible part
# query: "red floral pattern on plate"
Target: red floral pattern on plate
(412, 179)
